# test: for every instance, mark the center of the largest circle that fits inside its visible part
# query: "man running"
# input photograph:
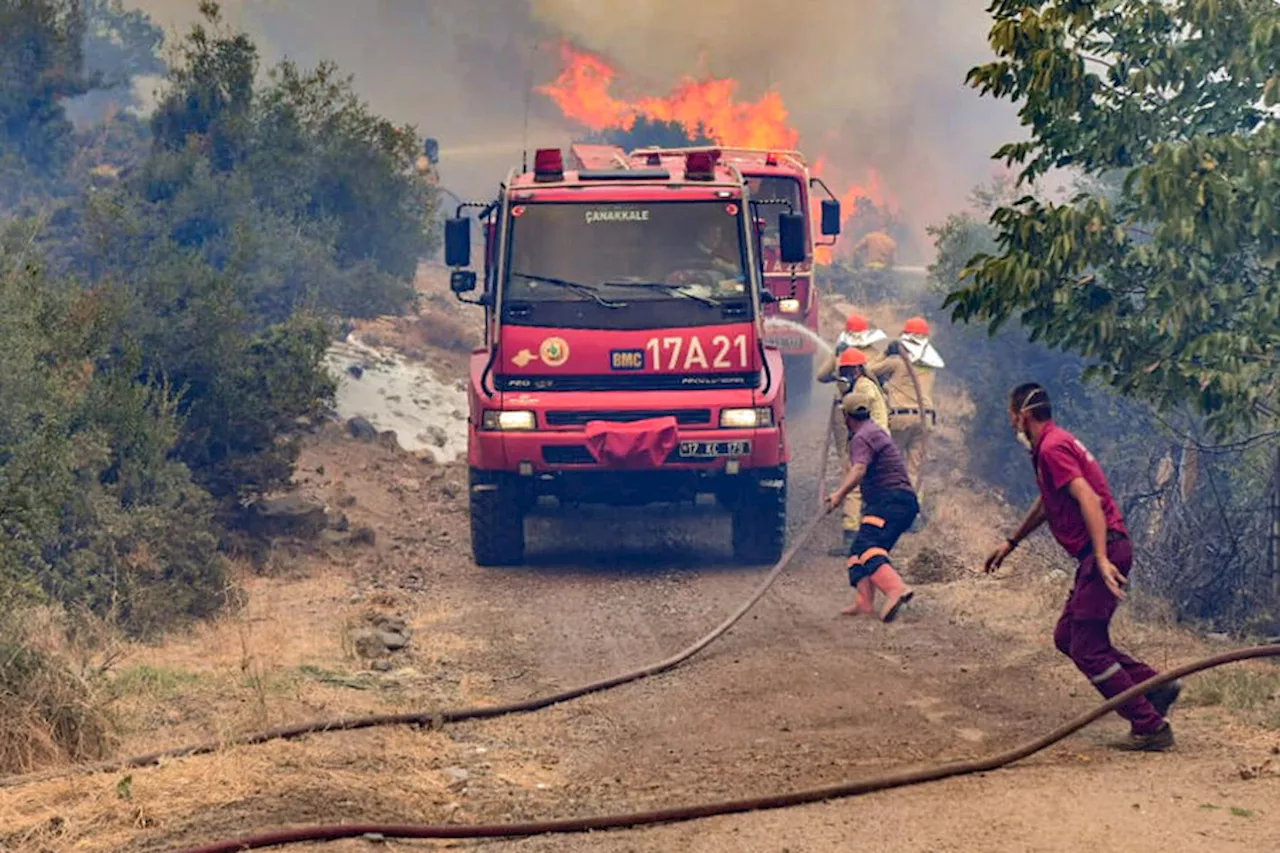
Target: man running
(1076, 502)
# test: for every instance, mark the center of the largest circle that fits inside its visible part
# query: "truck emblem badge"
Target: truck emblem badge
(554, 352)
(522, 358)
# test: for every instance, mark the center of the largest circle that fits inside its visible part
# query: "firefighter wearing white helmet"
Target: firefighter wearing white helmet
(905, 405)
(859, 334)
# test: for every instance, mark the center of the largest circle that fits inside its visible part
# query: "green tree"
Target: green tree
(94, 508)
(647, 133)
(41, 65)
(1171, 287)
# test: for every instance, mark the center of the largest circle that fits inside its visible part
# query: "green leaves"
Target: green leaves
(1169, 279)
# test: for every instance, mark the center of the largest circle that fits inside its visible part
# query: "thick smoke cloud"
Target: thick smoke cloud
(868, 82)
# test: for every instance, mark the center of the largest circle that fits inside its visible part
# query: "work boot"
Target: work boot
(895, 590)
(1163, 697)
(1161, 740)
(865, 602)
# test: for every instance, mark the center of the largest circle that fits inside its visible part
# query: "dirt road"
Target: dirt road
(795, 696)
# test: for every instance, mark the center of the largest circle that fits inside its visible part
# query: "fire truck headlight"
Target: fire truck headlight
(789, 306)
(746, 418)
(512, 421)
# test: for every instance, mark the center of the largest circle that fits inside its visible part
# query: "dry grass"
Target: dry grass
(1250, 690)
(392, 773)
(51, 710)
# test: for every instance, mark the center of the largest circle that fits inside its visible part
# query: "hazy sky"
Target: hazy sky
(870, 83)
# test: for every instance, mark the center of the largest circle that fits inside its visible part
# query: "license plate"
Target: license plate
(713, 449)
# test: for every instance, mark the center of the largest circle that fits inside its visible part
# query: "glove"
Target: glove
(894, 348)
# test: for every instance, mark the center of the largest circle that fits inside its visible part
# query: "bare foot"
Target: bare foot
(857, 609)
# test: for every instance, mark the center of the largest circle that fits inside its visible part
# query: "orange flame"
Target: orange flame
(582, 91)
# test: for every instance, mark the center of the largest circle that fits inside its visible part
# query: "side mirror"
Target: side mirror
(462, 281)
(792, 238)
(431, 148)
(457, 242)
(830, 217)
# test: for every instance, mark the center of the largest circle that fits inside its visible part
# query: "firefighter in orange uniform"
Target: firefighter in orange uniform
(878, 251)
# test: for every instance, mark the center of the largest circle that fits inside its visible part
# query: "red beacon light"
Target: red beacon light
(699, 166)
(548, 165)
(771, 159)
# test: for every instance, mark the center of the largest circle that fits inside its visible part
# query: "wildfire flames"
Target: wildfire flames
(583, 92)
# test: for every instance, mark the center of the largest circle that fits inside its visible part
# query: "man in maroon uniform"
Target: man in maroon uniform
(1076, 501)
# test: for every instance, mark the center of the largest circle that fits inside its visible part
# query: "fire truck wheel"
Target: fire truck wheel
(497, 520)
(760, 519)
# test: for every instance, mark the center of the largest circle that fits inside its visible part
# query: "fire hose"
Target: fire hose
(436, 719)
(679, 814)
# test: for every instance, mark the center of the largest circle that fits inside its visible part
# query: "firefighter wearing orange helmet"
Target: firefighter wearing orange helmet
(905, 405)
(854, 384)
(860, 335)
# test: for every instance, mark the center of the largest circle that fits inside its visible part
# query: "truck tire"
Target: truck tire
(760, 519)
(497, 520)
(799, 372)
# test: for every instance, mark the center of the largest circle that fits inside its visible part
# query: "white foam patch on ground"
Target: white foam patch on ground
(427, 414)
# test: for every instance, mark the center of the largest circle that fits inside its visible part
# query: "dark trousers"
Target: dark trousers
(1083, 634)
(885, 517)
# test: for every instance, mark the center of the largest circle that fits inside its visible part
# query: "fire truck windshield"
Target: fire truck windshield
(779, 195)
(666, 263)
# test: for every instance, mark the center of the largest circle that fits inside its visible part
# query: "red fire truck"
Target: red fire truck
(624, 359)
(781, 182)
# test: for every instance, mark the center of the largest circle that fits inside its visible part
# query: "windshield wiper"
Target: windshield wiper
(677, 289)
(576, 286)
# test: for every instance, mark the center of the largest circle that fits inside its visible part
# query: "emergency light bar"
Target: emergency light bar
(699, 166)
(548, 165)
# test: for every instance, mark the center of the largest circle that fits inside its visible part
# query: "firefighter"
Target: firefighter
(904, 404)
(858, 334)
(1076, 501)
(890, 507)
(877, 251)
(852, 376)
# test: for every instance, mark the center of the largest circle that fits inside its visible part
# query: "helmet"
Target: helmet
(852, 357)
(856, 323)
(916, 326)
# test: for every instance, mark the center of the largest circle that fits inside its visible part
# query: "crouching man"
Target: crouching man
(889, 506)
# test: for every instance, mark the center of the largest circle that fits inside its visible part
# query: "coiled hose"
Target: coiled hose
(678, 814)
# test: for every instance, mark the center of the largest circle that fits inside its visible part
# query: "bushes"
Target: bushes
(156, 363)
(50, 714)
(91, 502)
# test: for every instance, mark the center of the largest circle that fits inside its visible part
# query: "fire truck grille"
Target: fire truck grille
(574, 454)
(684, 417)
(634, 382)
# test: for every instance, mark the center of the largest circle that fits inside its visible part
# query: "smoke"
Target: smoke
(869, 83)
(872, 84)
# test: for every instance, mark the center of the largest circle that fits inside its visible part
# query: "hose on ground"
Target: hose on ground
(678, 814)
(436, 719)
